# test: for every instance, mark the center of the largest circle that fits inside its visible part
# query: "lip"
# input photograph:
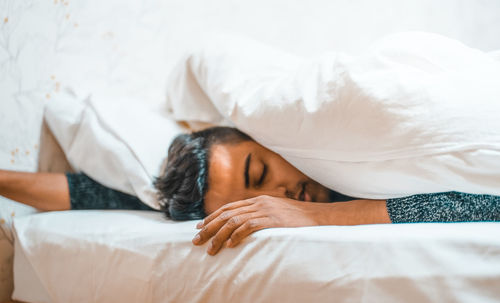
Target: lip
(304, 195)
(307, 197)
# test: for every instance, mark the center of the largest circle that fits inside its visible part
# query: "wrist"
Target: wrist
(328, 213)
(354, 212)
(3, 179)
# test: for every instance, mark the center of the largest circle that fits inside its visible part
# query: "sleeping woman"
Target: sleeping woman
(236, 187)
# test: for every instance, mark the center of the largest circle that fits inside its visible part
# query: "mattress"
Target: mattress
(9, 210)
(134, 256)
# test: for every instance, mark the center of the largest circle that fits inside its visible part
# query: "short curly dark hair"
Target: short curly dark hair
(183, 183)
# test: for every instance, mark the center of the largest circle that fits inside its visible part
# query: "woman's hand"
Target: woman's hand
(235, 221)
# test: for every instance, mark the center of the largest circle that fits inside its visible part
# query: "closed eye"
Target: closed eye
(263, 176)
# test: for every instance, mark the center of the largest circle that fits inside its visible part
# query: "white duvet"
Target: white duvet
(416, 113)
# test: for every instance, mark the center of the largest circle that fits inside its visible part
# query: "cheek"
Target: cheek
(209, 208)
(284, 169)
(212, 203)
(215, 200)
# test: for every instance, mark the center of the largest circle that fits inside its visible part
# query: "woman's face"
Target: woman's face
(245, 170)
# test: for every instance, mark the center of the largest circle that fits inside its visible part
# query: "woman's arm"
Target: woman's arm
(44, 191)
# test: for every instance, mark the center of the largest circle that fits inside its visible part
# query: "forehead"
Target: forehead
(225, 174)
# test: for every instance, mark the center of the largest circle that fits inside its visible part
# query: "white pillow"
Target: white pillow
(118, 142)
(416, 113)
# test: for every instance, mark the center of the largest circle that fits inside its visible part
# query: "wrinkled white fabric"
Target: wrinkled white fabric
(132, 256)
(123, 149)
(8, 211)
(416, 113)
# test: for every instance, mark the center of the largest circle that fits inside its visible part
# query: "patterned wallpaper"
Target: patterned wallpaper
(81, 46)
(125, 48)
(51, 46)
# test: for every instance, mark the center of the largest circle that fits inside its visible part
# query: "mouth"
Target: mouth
(304, 195)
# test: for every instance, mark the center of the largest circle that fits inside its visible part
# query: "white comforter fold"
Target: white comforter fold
(415, 113)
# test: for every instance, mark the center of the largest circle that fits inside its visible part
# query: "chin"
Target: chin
(319, 193)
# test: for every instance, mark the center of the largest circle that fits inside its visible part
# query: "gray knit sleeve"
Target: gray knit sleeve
(86, 193)
(444, 207)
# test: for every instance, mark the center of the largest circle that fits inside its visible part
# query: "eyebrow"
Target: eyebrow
(247, 165)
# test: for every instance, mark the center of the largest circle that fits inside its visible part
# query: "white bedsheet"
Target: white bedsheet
(131, 256)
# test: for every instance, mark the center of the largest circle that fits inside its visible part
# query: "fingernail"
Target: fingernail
(229, 243)
(210, 248)
(196, 239)
(199, 225)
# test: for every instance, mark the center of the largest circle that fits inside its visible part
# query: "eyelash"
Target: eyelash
(262, 176)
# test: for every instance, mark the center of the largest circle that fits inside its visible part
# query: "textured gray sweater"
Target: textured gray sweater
(85, 193)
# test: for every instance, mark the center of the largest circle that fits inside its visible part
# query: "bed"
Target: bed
(62, 50)
(81, 257)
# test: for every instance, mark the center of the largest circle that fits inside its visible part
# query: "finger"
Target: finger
(250, 226)
(213, 227)
(222, 209)
(226, 230)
